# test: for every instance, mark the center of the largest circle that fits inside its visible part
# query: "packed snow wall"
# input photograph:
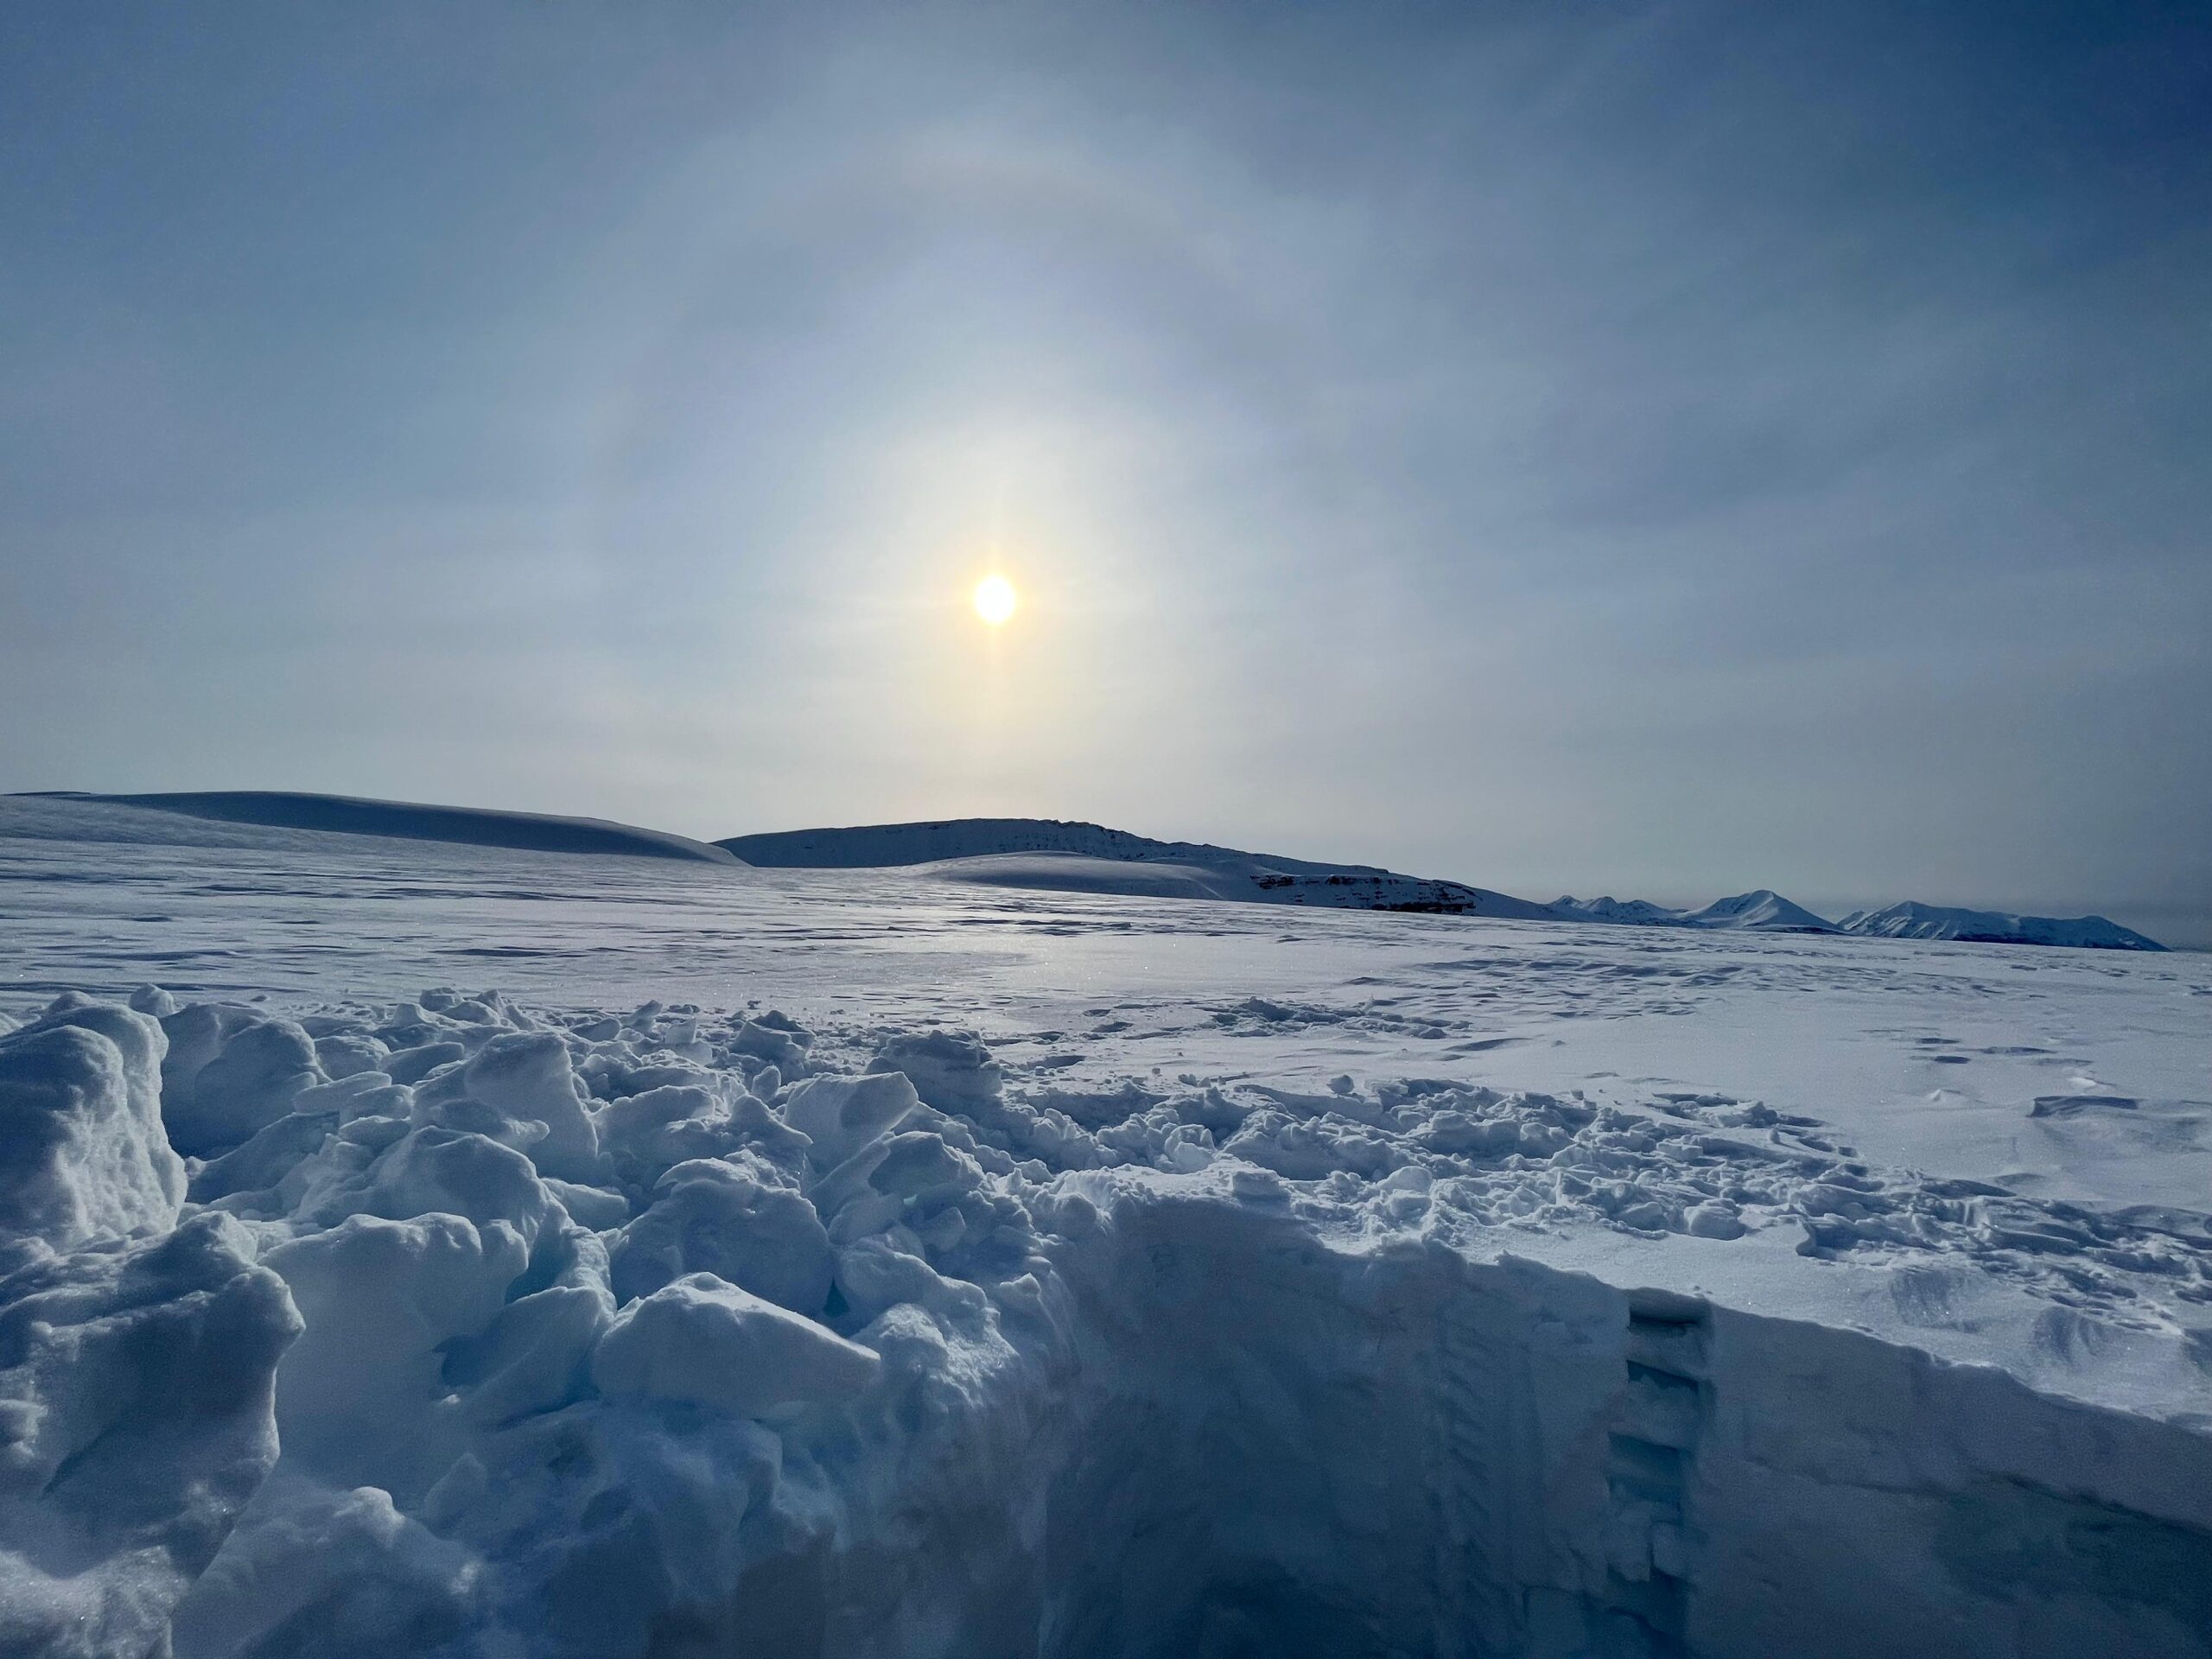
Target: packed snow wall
(459, 1329)
(1289, 1449)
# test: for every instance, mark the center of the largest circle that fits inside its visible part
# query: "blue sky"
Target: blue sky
(1655, 449)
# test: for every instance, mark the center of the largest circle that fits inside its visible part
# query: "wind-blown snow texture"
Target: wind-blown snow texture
(1077, 1276)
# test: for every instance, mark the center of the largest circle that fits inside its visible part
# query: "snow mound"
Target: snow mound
(616, 1333)
(406, 821)
(1050, 855)
(1913, 920)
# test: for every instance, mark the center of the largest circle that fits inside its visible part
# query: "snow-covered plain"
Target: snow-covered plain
(857, 1262)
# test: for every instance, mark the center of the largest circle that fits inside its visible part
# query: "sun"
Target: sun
(995, 599)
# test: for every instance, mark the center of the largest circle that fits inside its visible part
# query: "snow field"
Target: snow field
(461, 1327)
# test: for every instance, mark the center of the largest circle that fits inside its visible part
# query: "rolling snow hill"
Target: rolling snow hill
(1048, 853)
(469, 826)
(1064, 856)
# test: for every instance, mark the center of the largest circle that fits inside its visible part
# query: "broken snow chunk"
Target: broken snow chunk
(135, 1388)
(357, 1398)
(874, 1275)
(250, 1070)
(952, 1070)
(340, 1574)
(534, 1356)
(1252, 1186)
(646, 1135)
(704, 1341)
(908, 1341)
(82, 1153)
(1186, 1150)
(925, 1172)
(432, 1172)
(843, 1115)
(265, 1159)
(519, 1091)
(1715, 1219)
(594, 1207)
(726, 1219)
(414, 1065)
(343, 1054)
(153, 1000)
(785, 1048)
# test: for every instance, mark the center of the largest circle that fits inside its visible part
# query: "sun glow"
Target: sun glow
(995, 599)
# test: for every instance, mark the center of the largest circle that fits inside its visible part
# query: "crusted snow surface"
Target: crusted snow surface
(495, 1330)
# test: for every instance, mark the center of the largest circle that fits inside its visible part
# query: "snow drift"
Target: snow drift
(465, 1329)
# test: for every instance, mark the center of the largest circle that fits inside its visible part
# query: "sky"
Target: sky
(1655, 449)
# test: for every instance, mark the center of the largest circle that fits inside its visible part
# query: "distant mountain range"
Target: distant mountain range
(1911, 920)
(1051, 854)
(1090, 858)
(1770, 912)
(1765, 911)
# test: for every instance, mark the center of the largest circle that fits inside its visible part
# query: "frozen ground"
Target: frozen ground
(1209, 1279)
